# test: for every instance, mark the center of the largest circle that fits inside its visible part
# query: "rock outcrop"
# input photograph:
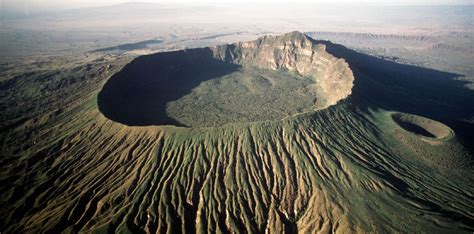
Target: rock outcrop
(293, 52)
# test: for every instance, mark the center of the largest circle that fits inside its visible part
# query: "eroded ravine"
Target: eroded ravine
(300, 174)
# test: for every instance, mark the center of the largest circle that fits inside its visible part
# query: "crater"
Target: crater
(267, 79)
(422, 126)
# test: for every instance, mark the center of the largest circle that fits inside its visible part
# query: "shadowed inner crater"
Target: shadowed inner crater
(422, 126)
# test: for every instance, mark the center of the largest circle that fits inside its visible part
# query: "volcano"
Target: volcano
(281, 134)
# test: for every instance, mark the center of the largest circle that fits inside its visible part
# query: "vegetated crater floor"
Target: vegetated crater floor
(422, 126)
(268, 79)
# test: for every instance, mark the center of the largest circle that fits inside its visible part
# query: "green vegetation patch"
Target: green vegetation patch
(246, 95)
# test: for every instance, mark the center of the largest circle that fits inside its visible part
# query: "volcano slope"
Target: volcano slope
(383, 147)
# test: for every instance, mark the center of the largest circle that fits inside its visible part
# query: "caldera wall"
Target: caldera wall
(268, 79)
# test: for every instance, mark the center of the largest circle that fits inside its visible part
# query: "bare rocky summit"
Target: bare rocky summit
(294, 52)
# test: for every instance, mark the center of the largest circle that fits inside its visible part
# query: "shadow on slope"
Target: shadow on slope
(138, 94)
(130, 46)
(411, 89)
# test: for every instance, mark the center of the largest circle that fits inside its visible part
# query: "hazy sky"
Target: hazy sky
(31, 5)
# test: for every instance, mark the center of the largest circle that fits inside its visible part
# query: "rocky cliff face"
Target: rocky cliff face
(294, 52)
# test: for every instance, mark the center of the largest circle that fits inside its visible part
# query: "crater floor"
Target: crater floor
(247, 95)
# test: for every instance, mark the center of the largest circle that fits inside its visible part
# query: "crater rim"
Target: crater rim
(422, 126)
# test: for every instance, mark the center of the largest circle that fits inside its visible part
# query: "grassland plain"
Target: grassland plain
(349, 167)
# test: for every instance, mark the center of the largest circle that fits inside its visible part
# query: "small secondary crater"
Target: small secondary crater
(268, 79)
(422, 126)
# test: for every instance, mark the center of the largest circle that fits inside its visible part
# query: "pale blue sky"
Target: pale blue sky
(65, 4)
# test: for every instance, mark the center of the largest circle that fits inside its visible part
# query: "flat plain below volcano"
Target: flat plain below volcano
(383, 147)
